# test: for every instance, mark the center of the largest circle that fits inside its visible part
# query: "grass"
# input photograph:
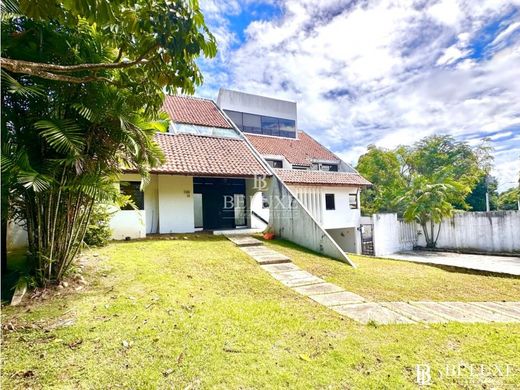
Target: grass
(199, 313)
(390, 280)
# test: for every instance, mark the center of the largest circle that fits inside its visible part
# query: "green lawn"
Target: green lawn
(198, 313)
(390, 280)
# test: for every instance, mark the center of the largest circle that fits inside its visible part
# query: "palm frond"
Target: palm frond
(65, 136)
(15, 87)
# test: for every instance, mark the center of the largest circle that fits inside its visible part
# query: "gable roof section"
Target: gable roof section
(296, 176)
(196, 155)
(301, 151)
(194, 111)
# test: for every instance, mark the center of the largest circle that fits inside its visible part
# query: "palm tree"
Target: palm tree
(62, 154)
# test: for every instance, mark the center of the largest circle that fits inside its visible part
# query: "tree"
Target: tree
(429, 200)
(477, 198)
(424, 182)
(509, 200)
(382, 168)
(82, 86)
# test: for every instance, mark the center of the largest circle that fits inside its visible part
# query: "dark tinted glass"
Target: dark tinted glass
(275, 163)
(236, 117)
(329, 202)
(329, 167)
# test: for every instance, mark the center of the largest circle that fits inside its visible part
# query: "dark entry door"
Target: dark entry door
(218, 200)
(216, 214)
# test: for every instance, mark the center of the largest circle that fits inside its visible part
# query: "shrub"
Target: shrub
(98, 231)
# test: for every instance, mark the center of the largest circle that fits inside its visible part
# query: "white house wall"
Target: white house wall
(313, 197)
(151, 203)
(176, 208)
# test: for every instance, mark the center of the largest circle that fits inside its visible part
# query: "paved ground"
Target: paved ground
(359, 309)
(500, 264)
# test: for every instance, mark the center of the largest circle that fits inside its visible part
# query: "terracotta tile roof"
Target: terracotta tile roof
(296, 176)
(189, 154)
(195, 111)
(301, 151)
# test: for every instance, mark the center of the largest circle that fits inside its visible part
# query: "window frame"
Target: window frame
(355, 204)
(136, 188)
(328, 199)
(273, 160)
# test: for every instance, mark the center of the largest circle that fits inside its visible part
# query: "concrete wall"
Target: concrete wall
(495, 231)
(347, 239)
(176, 208)
(290, 220)
(254, 104)
(391, 235)
(128, 223)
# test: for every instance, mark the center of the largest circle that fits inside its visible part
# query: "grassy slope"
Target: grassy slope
(205, 311)
(391, 280)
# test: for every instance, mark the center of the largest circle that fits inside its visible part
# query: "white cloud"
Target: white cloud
(383, 72)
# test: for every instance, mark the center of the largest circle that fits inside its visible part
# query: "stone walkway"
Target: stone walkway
(358, 308)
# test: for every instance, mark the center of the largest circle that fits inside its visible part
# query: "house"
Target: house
(207, 161)
(222, 161)
(327, 186)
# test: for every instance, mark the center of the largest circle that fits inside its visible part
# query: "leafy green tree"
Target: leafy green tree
(82, 86)
(477, 198)
(383, 169)
(509, 200)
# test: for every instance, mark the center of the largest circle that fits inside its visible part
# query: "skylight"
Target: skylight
(184, 128)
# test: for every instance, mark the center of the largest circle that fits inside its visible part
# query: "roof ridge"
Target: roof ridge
(191, 97)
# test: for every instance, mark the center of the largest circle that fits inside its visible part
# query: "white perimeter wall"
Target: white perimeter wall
(176, 208)
(391, 235)
(495, 231)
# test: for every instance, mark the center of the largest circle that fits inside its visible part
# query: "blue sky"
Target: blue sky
(378, 72)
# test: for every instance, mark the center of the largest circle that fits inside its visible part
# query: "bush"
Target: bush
(98, 231)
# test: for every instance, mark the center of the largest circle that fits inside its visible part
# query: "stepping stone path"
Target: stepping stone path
(356, 307)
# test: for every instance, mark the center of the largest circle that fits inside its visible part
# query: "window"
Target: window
(275, 163)
(300, 167)
(258, 124)
(270, 126)
(265, 201)
(329, 167)
(330, 203)
(132, 189)
(352, 201)
(236, 117)
(315, 167)
(252, 123)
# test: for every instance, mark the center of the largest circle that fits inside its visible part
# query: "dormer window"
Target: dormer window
(275, 163)
(324, 167)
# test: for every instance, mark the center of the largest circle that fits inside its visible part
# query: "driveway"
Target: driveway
(499, 264)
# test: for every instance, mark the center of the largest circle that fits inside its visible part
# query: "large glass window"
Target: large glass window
(132, 189)
(267, 125)
(252, 123)
(235, 116)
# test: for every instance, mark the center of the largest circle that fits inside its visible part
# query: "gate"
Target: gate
(367, 239)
